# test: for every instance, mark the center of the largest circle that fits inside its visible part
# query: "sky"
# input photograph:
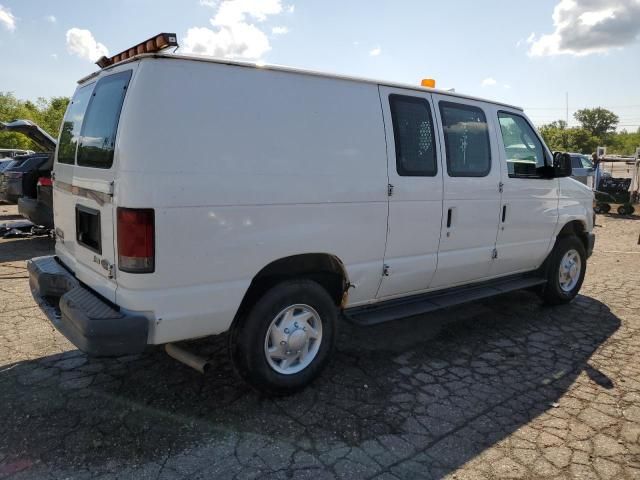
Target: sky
(529, 53)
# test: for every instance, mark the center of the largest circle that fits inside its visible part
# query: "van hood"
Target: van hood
(31, 130)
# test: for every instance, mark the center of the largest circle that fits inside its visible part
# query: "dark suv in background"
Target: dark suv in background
(27, 180)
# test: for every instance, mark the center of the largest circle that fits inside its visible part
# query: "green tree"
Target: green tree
(624, 143)
(46, 113)
(558, 137)
(597, 121)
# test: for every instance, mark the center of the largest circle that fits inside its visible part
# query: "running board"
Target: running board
(429, 302)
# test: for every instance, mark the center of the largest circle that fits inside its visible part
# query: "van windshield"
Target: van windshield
(71, 125)
(101, 121)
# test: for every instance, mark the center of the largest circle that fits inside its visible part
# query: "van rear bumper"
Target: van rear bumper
(93, 325)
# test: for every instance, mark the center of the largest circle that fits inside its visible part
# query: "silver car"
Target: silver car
(582, 168)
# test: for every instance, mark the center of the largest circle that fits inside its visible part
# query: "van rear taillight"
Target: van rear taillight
(136, 246)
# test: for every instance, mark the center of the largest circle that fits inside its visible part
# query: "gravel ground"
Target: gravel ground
(502, 388)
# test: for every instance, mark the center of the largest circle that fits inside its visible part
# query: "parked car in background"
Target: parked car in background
(4, 163)
(582, 168)
(10, 153)
(20, 178)
(28, 179)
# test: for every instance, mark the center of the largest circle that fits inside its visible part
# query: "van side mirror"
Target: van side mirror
(562, 165)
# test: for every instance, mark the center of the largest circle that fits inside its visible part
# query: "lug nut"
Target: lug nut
(283, 342)
(286, 330)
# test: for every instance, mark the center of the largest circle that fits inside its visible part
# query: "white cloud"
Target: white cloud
(279, 30)
(375, 52)
(7, 20)
(507, 86)
(489, 82)
(528, 40)
(291, 8)
(233, 36)
(209, 3)
(51, 19)
(231, 12)
(81, 43)
(583, 27)
(54, 56)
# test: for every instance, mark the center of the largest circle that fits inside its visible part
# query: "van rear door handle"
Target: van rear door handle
(504, 212)
(449, 218)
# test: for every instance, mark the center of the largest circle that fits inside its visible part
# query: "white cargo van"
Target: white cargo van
(198, 196)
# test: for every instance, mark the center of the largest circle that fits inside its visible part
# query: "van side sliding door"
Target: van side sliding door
(415, 191)
(471, 191)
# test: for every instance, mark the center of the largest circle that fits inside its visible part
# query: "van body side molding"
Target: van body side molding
(100, 197)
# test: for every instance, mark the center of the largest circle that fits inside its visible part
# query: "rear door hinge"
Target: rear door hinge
(386, 270)
(494, 254)
(389, 190)
(500, 187)
(112, 186)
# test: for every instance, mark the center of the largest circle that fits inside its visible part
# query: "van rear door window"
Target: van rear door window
(101, 121)
(71, 125)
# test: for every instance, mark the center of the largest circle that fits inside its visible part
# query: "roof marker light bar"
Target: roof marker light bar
(154, 44)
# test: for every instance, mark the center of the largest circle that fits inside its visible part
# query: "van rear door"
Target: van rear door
(84, 179)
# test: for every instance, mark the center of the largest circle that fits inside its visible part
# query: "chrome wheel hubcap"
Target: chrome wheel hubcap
(293, 339)
(570, 268)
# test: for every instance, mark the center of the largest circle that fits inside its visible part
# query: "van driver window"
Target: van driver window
(523, 150)
(466, 138)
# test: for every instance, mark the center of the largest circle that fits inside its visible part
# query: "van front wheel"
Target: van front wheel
(566, 269)
(286, 339)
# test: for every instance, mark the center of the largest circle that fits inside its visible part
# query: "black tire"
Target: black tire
(605, 207)
(599, 208)
(626, 209)
(247, 339)
(553, 293)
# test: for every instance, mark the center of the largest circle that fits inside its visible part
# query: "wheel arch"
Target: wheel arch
(577, 228)
(324, 268)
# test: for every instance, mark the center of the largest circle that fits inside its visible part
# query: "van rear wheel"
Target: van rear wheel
(286, 339)
(565, 272)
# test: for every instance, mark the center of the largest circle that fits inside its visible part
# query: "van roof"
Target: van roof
(301, 71)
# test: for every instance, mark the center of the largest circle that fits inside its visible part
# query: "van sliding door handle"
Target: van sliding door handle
(504, 212)
(449, 218)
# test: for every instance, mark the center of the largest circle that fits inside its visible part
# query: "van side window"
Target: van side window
(523, 150)
(414, 136)
(101, 121)
(466, 138)
(71, 125)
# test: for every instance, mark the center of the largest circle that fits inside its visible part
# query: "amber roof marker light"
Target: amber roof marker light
(428, 82)
(152, 45)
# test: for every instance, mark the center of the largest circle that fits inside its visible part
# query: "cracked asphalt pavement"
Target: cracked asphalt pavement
(501, 388)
